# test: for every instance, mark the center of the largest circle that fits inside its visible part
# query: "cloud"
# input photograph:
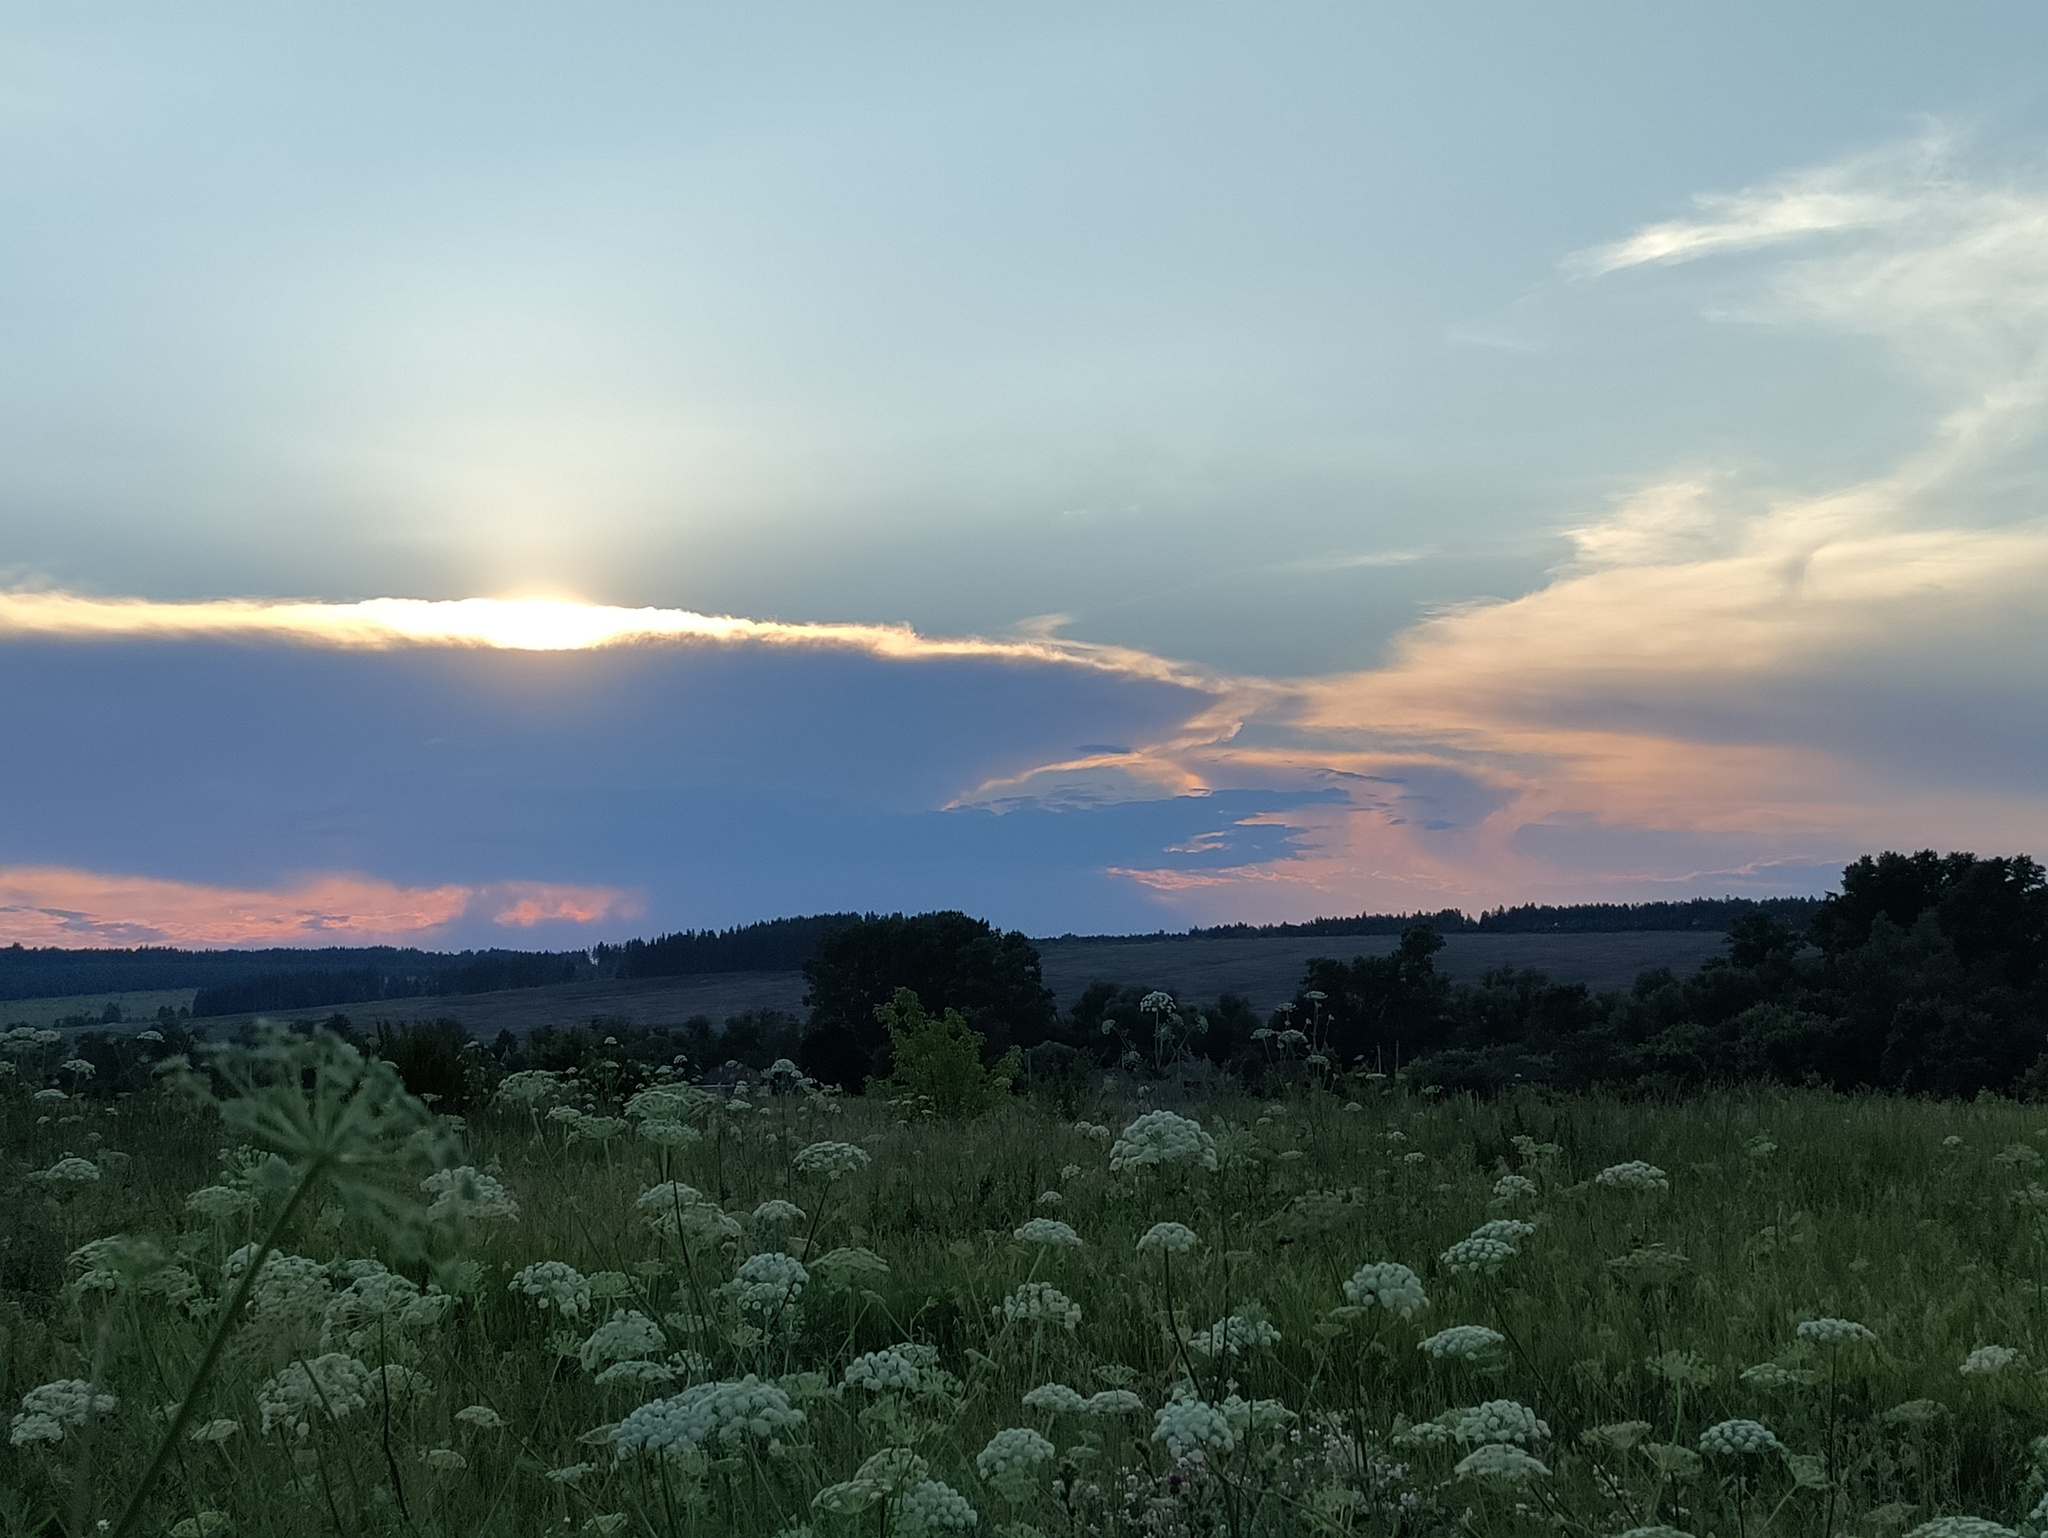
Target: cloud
(46, 905)
(1725, 685)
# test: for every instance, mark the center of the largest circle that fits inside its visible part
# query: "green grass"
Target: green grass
(139, 1008)
(1859, 1211)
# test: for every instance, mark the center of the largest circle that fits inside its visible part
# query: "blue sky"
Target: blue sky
(1183, 463)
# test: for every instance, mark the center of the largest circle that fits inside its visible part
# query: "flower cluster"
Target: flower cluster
(769, 1282)
(1232, 1334)
(334, 1384)
(1461, 1342)
(1738, 1438)
(1188, 1426)
(55, 1408)
(554, 1284)
(1478, 1255)
(1169, 1239)
(1059, 1399)
(1162, 1138)
(1501, 1463)
(933, 1506)
(1510, 1188)
(1389, 1284)
(1040, 1303)
(1049, 1231)
(1635, 1175)
(1013, 1462)
(1836, 1332)
(892, 1371)
(706, 1418)
(466, 1194)
(1988, 1361)
(829, 1161)
(629, 1336)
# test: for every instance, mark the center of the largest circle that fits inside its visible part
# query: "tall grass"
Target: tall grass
(1921, 1221)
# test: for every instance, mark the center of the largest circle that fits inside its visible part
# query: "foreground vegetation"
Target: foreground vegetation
(612, 1301)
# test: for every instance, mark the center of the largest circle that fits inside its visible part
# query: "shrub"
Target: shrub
(938, 1060)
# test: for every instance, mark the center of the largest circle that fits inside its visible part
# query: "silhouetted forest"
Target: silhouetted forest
(778, 945)
(484, 972)
(52, 972)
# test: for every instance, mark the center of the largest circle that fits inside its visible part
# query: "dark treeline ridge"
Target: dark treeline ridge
(775, 945)
(52, 972)
(480, 972)
(1704, 914)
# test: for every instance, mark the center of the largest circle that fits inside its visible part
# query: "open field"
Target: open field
(1802, 1314)
(134, 1006)
(1265, 970)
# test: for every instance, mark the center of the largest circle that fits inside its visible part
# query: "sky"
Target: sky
(526, 475)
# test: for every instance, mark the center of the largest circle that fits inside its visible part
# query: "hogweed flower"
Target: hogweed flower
(1391, 1285)
(335, 1384)
(1169, 1239)
(891, 1371)
(1192, 1426)
(1232, 1334)
(1159, 1139)
(1050, 1232)
(625, 1337)
(1511, 1188)
(1041, 1303)
(1988, 1361)
(1836, 1332)
(1962, 1527)
(466, 1194)
(1014, 1461)
(1635, 1175)
(1498, 1420)
(480, 1417)
(769, 1282)
(69, 1171)
(932, 1506)
(1507, 1230)
(1461, 1342)
(830, 1161)
(1501, 1463)
(554, 1284)
(777, 1211)
(55, 1408)
(1055, 1399)
(220, 1204)
(1739, 1438)
(1478, 1256)
(709, 1418)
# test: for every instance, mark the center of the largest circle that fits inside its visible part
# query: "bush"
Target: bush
(938, 1060)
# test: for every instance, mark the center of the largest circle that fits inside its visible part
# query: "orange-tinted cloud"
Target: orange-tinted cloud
(47, 905)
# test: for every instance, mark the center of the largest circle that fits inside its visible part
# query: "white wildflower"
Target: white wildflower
(1161, 1138)
(830, 1161)
(1169, 1239)
(1962, 1527)
(1232, 1334)
(1041, 1303)
(933, 1507)
(1507, 1230)
(480, 1417)
(69, 1171)
(1988, 1361)
(469, 1195)
(335, 1385)
(625, 1337)
(1389, 1284)
(1836, 1332)
(1055, 1399)
(1478, 1255)
(769, 1282)
(1050, 1232)
(1193, 1426)
(220, 1204)
(554, 1284)
(1014, 1462)
(1112, 1401)
(1094, 1131)
(1501, 1463)
(1635, 1175)
(1498, 1420)
(883, 1372)
(1513, 1188)
(709, 1418)
(1461, 1342)
(55, 1408)
(779, 1212)
(1739, 1437)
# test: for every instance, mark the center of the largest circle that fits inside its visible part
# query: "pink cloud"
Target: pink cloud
(52, 905)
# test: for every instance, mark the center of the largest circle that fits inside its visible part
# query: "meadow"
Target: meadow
(613, 1304)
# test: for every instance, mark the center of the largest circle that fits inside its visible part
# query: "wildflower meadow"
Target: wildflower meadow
(271, 1292)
